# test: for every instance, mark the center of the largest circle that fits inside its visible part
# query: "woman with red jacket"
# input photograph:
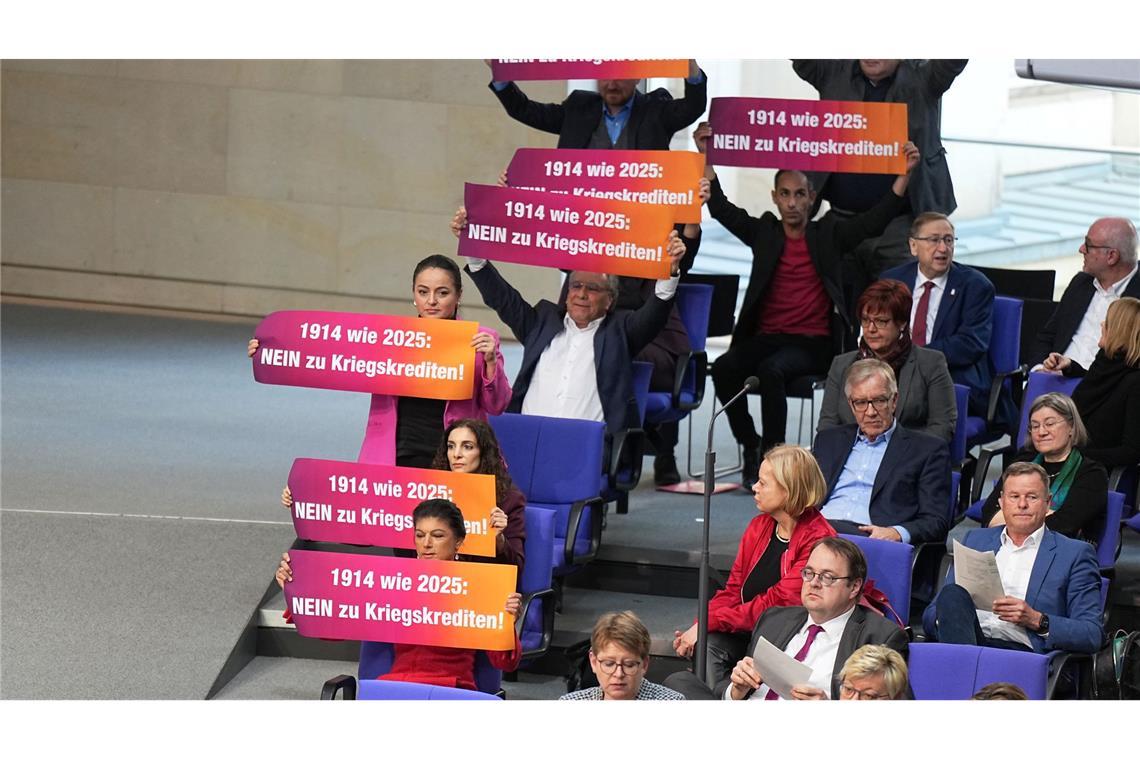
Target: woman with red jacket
(774, 548)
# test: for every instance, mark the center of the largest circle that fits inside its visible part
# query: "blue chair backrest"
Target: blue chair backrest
(1038, 384)
(538, 571)
(889, 566)
(376, 660)
(1109, 539)
(957, 671)
(958, 446)
(642, 374)
(693, 305)
(1005, 345)
(374, 689)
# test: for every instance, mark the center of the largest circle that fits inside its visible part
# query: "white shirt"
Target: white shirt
(1015, 565)
(820, 658)
(1082, 349)
(932, 308)
(565, 382)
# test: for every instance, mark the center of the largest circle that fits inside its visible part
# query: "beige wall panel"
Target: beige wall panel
(98, 68)
(52, 224)
(320, 77)
(480, 144)
(380, 249)
(226, 240)
(285, 146)
(171, 136)
(58, 127)
(114, 289)
(395, 155)
(458, 82)
(261, 301)
(214, 72)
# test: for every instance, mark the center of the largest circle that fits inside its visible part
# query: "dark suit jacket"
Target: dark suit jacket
(912, 486)
(918, 83)
(1059, 330)
(655, 117)
(962, 327)
(826, 240)
(621, 335)
(1064, 584)
(780, 624)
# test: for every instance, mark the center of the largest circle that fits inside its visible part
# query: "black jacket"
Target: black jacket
(1058, 332)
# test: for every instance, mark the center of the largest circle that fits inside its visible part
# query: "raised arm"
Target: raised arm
(939, 73)
(734, 219)
(678, 114)
(851, 232)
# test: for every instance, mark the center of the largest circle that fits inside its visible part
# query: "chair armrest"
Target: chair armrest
(985, 456)
(1059, 663)
(995, 393)
(547, 620)
(700, 363)
(573, 524)
(626, 440)
(339, 683)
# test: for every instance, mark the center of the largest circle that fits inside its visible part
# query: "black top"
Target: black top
(1108, 399)
(1082, 514)
(419, 426)
(766, 572)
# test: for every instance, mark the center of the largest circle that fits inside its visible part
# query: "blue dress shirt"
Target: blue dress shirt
(851, 499)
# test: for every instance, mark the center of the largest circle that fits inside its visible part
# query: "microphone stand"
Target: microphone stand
(701, 654)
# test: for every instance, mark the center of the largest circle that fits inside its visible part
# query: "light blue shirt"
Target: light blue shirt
(851, 499)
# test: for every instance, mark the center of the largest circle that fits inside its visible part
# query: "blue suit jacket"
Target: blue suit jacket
(962, 327)
(912, 486)
(1064, 584)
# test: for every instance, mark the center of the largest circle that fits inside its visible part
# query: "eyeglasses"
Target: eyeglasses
(825, 578)
(848, 691)
(1032, 498)
(879, 322)
(1091, 246)
(860, 404)
(946, 240)
(591, 287)
(627, 666)
(1048, 424)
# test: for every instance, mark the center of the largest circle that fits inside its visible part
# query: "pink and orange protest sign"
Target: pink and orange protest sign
(566, 232)
(372, 353)
(524, 69)
(357, 597)
(810, 135)
(654, 177)
(371, 504)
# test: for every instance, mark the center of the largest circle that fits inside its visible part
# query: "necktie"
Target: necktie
(813, 631)
(918, 329)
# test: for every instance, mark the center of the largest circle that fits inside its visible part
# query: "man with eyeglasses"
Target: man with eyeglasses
(830, 625)
(1051, 582)
(1109, 272)
(883, 480)
(619, 657)
(953, 306)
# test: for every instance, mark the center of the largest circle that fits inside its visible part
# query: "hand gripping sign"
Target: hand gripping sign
(356, 597)
(371, 504)
(655, 177)
(810, 135)
(553, 230)
(372, 353)
(521, 69)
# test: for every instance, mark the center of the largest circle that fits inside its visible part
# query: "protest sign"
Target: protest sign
(521, 69)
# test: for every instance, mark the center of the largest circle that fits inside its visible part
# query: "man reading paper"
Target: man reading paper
(1051, 582)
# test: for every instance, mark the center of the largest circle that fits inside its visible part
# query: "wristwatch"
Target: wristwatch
(1043, 626)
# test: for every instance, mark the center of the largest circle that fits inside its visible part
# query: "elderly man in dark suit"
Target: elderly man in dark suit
(953, 305)
(883, 480)
(1051, 582)
(822, 633)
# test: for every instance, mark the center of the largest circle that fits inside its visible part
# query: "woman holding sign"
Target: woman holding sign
(404, 430)
(439, 534)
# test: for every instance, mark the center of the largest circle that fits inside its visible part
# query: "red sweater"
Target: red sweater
(795, 302)
(727, 611)
(444, 666)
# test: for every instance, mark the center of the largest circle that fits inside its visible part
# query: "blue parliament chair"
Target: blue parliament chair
(889, 566)
(376, 660)
(957, 671)
(1005, 357)
(693, 305)
(626, 450)
(402, 690)
(537, 583)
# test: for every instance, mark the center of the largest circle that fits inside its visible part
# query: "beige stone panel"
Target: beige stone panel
(480, 144)
(52, 224)
(317, 76)
(395, 155)
(285, 146)
(97, 68)
(59, 127)
(379, 250)
(222, 73)
(242, 300)
(226, 240)
(455, 81)
(113, 289)
(171, 136)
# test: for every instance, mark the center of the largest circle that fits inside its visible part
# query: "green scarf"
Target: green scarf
(1063, 480)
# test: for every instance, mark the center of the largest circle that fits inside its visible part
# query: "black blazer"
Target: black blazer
(1082, 514)
(780, 624)
(655, 117)
(912, 486)
(621, 335)
(826, 241)
(1058, 332)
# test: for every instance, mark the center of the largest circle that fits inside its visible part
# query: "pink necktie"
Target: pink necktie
(918, 329)
(813, 631)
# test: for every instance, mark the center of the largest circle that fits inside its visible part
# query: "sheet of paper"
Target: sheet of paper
(780, 671)
(977, 572)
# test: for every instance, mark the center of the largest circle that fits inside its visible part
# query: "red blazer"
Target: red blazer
(445, 666)
(727, 611)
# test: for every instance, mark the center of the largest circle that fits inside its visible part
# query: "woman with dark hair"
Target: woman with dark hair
(439, 534)
(1078, 486)
(1109, 395)
(926, 391)
(404, 430)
